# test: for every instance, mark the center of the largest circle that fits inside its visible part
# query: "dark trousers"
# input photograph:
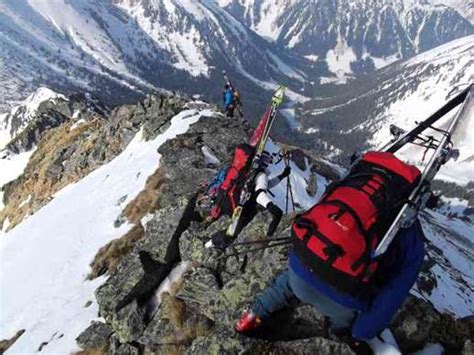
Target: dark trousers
(249, 212)
(289, 285)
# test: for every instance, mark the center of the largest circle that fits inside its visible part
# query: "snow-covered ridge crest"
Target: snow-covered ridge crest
(21, 115)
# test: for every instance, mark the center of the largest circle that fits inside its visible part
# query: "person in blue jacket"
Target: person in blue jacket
(397, 273)
(228, 98)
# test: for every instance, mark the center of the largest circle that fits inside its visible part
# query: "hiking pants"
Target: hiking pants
(289, 285)
(249, 212)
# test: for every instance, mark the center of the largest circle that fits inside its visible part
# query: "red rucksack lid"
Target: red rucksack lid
(391, 162)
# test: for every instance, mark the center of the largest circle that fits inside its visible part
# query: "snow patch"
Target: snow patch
(77, 124)
(26, 201)
(312, 57)
(13, 165)
(209, 158)
(383, 62)
(339, 60)
(298, 183)
(41, 95)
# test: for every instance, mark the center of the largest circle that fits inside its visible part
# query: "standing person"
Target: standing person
(259, 200)
(331, 265)
(238, 102)
(228, 98)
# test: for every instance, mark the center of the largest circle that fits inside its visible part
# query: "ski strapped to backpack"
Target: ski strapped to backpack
(259, 140)
(341, 237)
(443, 153)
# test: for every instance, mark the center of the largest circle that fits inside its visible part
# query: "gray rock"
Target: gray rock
(95, 336)
(127, 349)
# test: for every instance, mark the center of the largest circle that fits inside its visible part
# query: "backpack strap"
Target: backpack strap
(367, 234)
(332, 250)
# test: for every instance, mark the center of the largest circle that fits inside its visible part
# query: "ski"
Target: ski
(259, 140)
(442, 154)
(408, 137)
(227, 80)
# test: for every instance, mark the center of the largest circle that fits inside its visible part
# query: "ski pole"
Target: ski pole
(258, 249)
(250, 242)
(287, 188)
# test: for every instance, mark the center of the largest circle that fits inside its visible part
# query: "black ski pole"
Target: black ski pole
(258, 249)
(287, 187)
(268, 240)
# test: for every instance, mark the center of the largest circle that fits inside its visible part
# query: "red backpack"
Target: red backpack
(228, 195)
(335, 239)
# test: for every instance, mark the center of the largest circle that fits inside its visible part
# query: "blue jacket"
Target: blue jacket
(398, 269)
(228, 97)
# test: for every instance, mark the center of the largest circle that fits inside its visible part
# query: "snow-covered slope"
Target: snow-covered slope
(60, 241)
(401, 94)
(120, 49)
(448, 280)
(354, 36)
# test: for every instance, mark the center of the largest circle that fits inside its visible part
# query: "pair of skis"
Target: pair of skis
(443, 152)
(258, 140)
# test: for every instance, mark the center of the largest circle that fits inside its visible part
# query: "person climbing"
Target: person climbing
(228, 97)
(259, 199)
(238, 102)
(331, 264)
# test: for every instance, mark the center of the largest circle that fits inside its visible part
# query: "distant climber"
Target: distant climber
(238, 103)
(259, 199)
(331, 265)
(228, 98)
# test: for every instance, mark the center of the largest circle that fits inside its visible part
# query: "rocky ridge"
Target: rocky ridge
(197, 310)
(194, 311)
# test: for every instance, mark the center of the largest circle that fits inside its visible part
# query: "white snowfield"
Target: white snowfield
(453, 269)
(44, 261)
(454, 66)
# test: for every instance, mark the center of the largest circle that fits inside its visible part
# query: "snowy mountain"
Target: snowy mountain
(401, 94)
(354, 36)
(82, 245)
(121, 49)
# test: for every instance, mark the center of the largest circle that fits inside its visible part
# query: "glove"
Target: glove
(221, 240)
(285, 173)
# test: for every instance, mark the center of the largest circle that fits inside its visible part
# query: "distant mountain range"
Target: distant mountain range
(121, 49)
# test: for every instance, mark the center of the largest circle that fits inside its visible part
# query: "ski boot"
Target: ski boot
(248, 321)
(219, 240)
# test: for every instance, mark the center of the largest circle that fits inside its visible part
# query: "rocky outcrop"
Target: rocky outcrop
(45, 110)
(78, 146)
(7, 343)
